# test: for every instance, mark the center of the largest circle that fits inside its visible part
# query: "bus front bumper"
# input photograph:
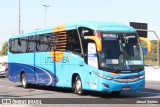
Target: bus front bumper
(110, 86)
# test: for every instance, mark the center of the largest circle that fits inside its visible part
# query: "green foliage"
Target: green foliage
(4, 49)
(152, 56)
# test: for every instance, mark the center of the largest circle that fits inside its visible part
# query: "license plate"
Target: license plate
(126, 88)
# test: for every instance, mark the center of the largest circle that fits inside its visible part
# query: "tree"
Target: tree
(4, 49)
(152, 56)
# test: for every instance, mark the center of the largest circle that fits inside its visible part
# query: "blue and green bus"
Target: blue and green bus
(95, 56)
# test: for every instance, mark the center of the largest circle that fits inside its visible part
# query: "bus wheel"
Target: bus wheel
(24, 81)
(78, 86)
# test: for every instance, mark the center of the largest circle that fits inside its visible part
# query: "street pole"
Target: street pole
(158, 39)
(158, 56)
(19, 17)
(45, 6)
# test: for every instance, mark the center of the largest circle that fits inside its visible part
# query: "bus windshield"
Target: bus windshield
(121, 51)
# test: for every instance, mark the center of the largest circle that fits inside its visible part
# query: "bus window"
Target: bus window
(31, 44)
(73, 42)
(84, 31)
(43, 44)
(12, 45)
(18, 45)
(22, 44)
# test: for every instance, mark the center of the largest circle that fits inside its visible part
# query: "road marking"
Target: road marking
(38, 90)
(119, 99)
(22, 88)
(12, 87)
(148, 92)
(1, 86)
(156, 85)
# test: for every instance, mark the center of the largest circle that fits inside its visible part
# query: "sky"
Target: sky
(64, 11)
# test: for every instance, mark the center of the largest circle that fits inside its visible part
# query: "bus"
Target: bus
(94, 56)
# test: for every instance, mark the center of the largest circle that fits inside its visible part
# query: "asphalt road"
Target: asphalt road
(65, 97)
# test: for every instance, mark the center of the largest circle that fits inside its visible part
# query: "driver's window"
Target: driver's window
(84, 31)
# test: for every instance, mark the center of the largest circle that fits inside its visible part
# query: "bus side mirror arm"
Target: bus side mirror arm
(97, 41)
(149, 44)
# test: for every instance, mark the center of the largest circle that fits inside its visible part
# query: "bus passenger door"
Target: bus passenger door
(92, 55)
(92, 61)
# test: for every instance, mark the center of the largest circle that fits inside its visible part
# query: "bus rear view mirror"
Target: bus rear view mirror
(97, 41)
(149, 44)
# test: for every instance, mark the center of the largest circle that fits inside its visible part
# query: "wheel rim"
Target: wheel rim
(24, 81)
(78, 86)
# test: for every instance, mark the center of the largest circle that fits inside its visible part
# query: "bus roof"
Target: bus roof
(100, 26)
(105, 26)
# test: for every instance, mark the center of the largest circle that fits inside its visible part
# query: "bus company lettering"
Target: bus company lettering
(57, 57)
(126, 37)
(64, 59)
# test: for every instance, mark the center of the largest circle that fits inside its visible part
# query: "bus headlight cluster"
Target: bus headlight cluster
(142, 76)
(126, 80)
(103, 76)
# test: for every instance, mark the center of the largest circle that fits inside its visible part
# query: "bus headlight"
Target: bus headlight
(103, 76)
(142, 76)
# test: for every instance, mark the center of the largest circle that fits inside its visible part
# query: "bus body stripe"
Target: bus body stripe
(47, 74)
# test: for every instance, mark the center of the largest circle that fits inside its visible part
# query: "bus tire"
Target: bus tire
(24, 81)
(78, 86)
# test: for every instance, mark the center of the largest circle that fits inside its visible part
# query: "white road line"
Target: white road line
(120, 99)
(12, 87)
(22, 88)
(1, 86)
(153, 85)
(38, 90)
(156, 85)
(148, 92)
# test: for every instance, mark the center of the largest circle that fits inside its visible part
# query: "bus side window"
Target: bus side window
(43, 43)
(73, 42)
(18, 45)
(23, 44)
(84, 31)
(12, 45)
(31, 44)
